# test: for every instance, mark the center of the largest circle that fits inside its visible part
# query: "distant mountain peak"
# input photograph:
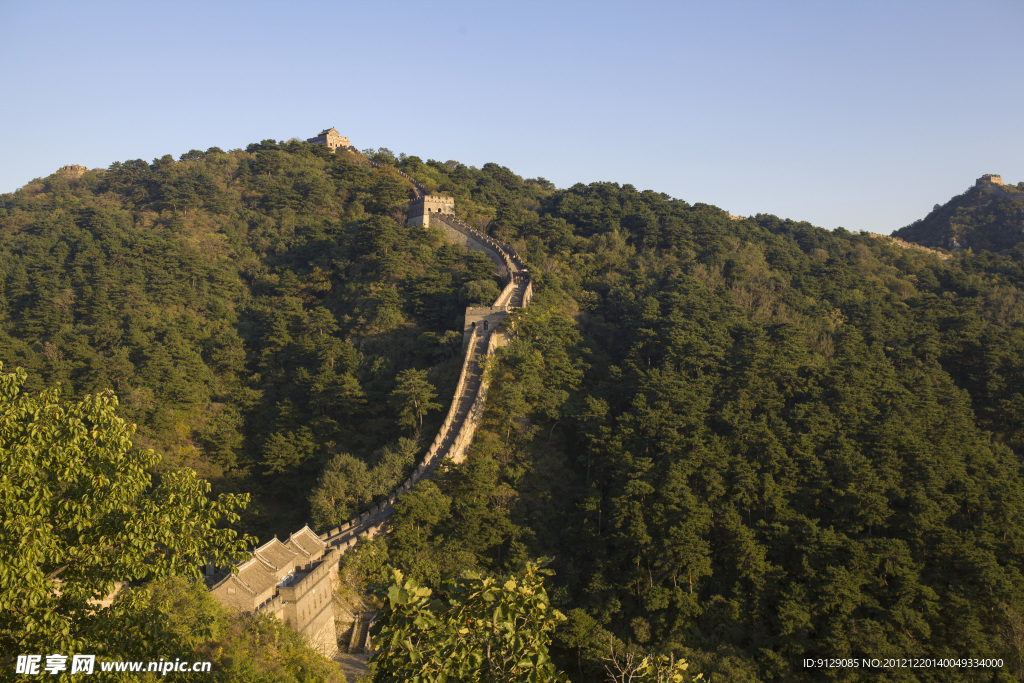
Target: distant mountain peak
(988, 216)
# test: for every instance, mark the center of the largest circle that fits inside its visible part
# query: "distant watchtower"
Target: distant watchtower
(330, 137)
(420, 209)
(989, 178)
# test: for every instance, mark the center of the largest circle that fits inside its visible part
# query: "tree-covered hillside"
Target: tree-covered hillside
(253, 310)
(744, 442)
(748, 441)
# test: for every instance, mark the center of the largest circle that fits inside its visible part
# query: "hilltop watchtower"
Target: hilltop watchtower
(989, 178)
(420, 209)
(330, 137)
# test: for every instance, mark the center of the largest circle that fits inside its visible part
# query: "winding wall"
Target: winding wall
(298, 596)
(466, 409)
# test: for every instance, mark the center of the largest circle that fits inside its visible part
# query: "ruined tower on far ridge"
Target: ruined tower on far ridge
(72, 171)
(989, 178)
(331, 138)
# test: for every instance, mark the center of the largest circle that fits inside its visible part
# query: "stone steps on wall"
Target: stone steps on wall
(353, 634)
(358, 638)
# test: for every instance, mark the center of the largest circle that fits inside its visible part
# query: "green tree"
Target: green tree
(387, 191)
(476, 629)
(343, 487)
(283, 452)
(79, 513)
(479, 292)
(389, 466)
(418, 514)
(381, 234)
(413, 397)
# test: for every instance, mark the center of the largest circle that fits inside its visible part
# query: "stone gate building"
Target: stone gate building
(290, 580)
(989, 178)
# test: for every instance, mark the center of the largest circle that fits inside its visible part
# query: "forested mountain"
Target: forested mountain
(747, 442)
(253, 310)
(989, 216)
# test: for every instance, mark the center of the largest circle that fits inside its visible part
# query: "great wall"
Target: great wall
(294, 580)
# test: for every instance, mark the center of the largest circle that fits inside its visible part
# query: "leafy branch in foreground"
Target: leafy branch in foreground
(629, 667)
(79, 514)
(476, 629)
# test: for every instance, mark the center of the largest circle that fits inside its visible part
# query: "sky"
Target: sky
(859, 114)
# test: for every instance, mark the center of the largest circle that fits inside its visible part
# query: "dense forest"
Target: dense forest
(745, 442)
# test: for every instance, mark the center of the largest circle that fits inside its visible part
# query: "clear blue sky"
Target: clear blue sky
(862, 114)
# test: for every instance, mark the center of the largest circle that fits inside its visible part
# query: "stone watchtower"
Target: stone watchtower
(989, 178)
(420, 209)
(332, 138)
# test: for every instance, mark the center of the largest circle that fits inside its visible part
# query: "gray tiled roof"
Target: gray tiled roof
(281, 558)
(306, 543)
(257, 575)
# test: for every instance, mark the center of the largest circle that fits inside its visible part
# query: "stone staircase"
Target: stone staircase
(359, 635)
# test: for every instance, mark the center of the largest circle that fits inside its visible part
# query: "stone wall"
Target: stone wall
(910, 245)
(468, 241)
(486, 318)
(290, 580)
(417, 189)
(307, 604)
(466, 409)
